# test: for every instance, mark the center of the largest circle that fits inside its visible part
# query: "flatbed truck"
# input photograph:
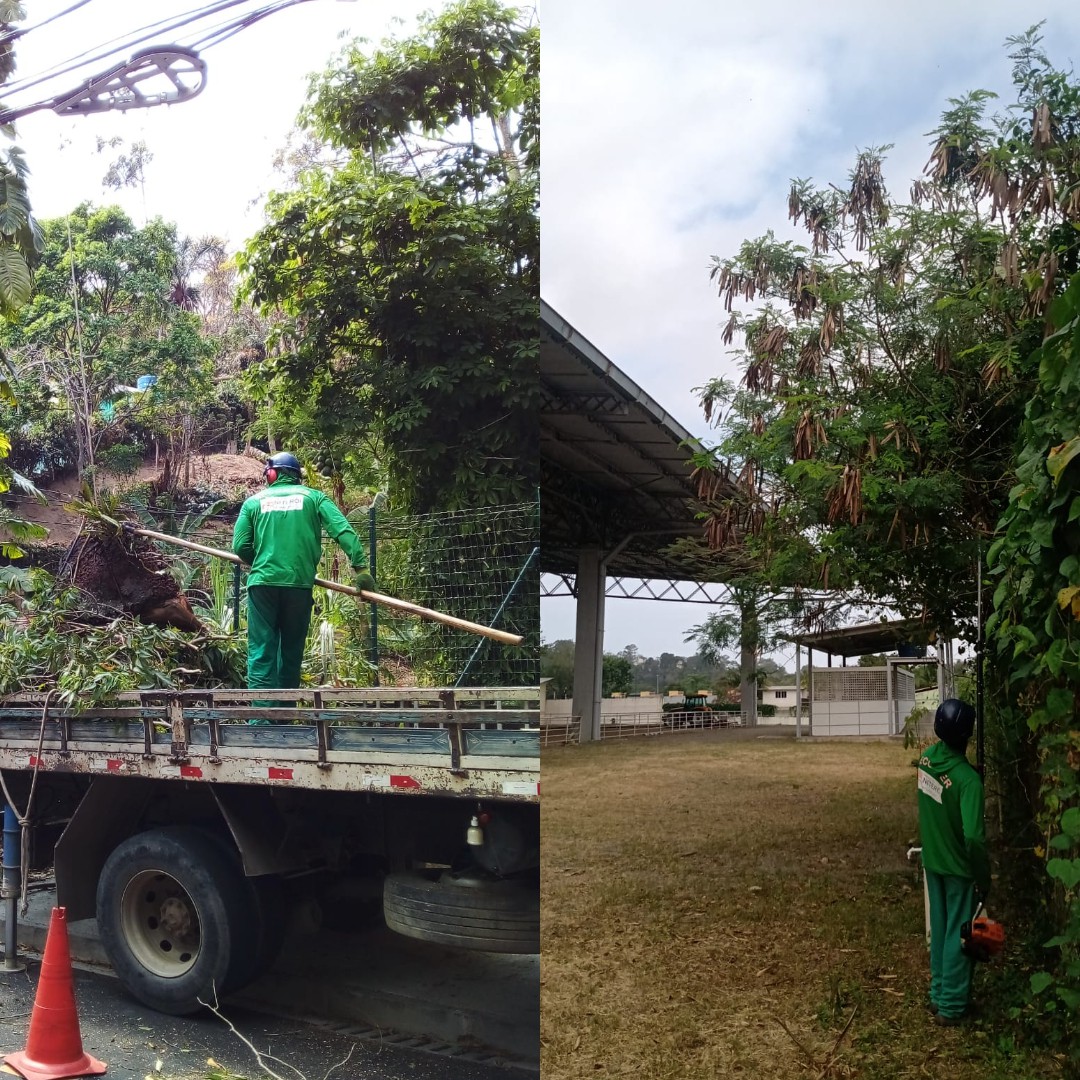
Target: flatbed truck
(188, 822)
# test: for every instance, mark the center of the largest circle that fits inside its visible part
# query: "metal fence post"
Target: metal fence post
(236, 598)
(373, 609)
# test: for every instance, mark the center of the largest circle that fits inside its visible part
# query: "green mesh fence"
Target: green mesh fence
(480, 565)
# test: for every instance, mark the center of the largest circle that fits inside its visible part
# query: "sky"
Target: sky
(671, 133)
(213, 154)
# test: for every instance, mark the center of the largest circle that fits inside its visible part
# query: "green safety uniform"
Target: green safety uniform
(956, 864)
(279, 534)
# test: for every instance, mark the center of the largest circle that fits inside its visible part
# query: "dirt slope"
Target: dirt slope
(233, 475)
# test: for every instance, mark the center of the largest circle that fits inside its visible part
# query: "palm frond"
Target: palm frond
(16, 579)
(18, 529)
(28, 487)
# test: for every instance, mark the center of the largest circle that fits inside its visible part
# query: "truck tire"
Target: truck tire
(266, 907)
(469, 913)
(175, 919)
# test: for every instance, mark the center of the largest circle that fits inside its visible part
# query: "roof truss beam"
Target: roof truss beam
(624, 588)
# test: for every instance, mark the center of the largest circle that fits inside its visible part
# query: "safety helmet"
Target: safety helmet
(281, 462)
(954, 721)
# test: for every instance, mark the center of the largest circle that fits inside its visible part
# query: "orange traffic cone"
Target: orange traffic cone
(54, 1045)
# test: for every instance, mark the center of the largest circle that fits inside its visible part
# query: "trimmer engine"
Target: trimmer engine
(982, 937)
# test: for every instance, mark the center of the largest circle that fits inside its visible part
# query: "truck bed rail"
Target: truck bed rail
(474, 742)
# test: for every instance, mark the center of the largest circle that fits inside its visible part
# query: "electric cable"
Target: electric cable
(235, 27)
(22, 31)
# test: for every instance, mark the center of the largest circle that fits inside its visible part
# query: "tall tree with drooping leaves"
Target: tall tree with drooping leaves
(403, 284)
(887, 361)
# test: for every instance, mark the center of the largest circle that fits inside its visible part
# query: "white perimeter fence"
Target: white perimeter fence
(566, 730)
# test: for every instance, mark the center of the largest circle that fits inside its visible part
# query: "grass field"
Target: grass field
(723, 905)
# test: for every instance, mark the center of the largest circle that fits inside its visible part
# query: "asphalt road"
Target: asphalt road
(137, 1043)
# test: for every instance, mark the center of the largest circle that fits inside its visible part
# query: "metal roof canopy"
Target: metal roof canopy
(868, 638)
(615, 466)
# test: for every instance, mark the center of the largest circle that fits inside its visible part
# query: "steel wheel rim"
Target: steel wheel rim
(160, 923)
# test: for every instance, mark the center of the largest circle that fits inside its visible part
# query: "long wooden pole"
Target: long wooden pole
(363, 594)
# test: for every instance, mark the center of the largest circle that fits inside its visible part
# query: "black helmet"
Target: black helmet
(283, 461)
(954, 722)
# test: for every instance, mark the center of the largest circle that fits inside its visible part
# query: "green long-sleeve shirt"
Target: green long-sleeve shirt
(279, 533)
(951, 816)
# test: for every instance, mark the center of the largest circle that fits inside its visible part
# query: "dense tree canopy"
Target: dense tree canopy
(404, 283)
(100, 317)
(872, 438)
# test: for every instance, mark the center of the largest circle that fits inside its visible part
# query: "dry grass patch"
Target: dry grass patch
(717, 906)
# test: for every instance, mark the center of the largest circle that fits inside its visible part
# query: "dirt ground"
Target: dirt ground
(230, 474)
(720, 905)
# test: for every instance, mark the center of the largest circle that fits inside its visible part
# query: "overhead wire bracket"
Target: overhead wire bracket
(124, 86)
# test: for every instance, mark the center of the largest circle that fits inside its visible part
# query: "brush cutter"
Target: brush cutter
(982, 938)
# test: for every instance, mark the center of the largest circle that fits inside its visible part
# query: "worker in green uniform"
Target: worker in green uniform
(279, 534)
(954, 855)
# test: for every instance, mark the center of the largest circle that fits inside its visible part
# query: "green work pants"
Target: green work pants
(278, 620)
(952, 903)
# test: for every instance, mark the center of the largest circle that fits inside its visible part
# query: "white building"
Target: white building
(783, 698)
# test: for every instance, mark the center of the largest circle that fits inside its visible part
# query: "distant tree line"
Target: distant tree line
(628, 672)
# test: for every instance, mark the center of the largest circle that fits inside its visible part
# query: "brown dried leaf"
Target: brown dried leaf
(831, 326)
(942, 354)
(1042, 134)
(809, 358)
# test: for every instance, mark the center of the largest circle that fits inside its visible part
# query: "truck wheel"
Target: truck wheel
(266, 907)
(470, 913)
(175, 920)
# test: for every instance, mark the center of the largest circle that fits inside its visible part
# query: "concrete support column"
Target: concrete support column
(798, 691)
(890, 698)
(589, 642)
(939, 648)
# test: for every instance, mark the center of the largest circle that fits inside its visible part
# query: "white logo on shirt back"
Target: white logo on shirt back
(929, 786)
(281, 502)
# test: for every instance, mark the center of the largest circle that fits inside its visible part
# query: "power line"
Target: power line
(227, 30)
(22, 31)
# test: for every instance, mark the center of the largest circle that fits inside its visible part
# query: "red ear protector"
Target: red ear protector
(270, 473)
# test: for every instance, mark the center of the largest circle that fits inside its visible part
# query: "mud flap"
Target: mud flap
(106, 815)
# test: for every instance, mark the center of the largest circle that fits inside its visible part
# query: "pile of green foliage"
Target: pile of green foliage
(49, 640)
